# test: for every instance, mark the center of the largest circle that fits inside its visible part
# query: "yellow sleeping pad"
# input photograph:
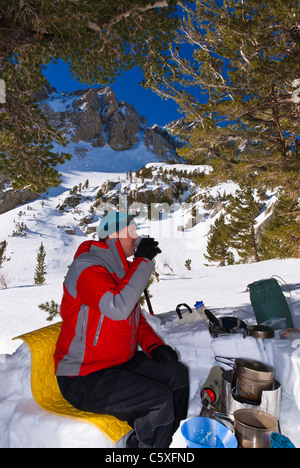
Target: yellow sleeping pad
(45, 389)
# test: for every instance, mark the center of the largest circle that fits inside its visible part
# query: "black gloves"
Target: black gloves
(147, 248)
(164, 355)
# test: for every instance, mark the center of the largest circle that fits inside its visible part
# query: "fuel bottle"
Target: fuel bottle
(211, 390)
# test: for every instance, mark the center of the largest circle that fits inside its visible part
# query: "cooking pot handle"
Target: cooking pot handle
(235, 390)
(228, 361)
(224, 418)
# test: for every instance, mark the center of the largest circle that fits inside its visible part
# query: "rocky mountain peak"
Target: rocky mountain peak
(95, 116)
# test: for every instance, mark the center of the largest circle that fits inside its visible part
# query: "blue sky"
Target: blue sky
(126, 88)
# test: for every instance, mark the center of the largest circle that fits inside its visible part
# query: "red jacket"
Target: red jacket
(102, 320)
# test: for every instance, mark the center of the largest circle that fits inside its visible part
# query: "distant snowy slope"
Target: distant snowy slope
(62, 219)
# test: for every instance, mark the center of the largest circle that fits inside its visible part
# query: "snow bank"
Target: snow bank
(196, 347)
(24, 424)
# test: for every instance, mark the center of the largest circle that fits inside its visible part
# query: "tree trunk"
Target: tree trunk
(280, 140)
(254, 244)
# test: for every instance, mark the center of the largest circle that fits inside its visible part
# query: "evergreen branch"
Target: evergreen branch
(134, 10)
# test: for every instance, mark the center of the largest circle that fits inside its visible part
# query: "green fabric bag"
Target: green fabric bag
(268, 301)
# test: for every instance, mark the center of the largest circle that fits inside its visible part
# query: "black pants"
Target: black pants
(153, 398)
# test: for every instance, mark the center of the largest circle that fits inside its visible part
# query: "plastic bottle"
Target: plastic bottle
(211, 390)
(200, 308)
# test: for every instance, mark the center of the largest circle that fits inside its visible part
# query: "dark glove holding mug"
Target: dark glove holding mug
(147, 247)
(164, 355)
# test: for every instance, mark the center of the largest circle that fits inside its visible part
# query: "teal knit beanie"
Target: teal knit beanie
(113, 222)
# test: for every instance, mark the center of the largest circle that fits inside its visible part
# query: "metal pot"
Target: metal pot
(253, 428)
(260, 331)
(251, 378)
(270, 399)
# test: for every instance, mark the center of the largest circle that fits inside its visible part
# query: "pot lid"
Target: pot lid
(260, 331)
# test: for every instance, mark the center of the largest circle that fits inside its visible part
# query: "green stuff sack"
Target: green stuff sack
(268, 301)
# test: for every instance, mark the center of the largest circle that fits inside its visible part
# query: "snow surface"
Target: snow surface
(223, 290)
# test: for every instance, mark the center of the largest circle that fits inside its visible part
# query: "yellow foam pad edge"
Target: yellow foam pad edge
(45, 389)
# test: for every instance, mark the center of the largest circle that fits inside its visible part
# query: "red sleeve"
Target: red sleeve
(97, 288)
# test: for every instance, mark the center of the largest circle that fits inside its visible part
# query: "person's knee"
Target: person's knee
(179, 375)
(184, 373)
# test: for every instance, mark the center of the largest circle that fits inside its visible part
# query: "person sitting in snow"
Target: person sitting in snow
(98, 365)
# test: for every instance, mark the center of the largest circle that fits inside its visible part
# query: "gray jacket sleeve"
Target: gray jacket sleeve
(119, 306)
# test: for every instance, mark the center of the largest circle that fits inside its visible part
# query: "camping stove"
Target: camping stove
(270, 399)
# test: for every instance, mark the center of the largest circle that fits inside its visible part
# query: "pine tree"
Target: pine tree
(217, 245)
(98, 39)
(246, 56)
(40, 271)
(243, 210)
(3, 246)
(281, 238)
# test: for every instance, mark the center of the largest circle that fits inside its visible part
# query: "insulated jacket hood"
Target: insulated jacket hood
(85, 247)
